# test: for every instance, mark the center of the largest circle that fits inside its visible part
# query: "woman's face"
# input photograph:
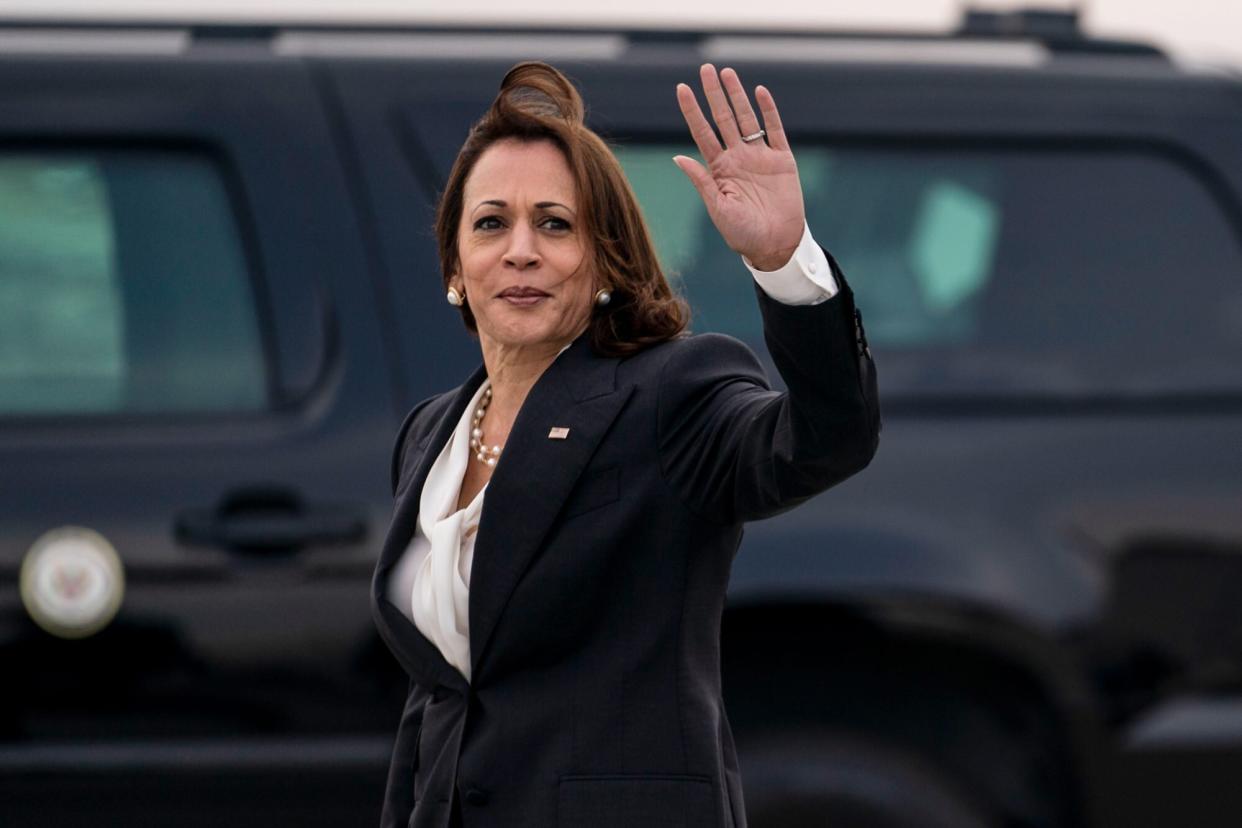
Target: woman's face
(520, 249)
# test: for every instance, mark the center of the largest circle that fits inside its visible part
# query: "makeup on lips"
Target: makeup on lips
(523, 296)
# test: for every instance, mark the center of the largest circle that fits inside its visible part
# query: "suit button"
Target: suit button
(476, 797)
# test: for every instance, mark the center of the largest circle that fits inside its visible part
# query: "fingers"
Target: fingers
(732, 112)
(722, 113)
(700, 130)
(746, 120)
(771, 119)
(699, 177)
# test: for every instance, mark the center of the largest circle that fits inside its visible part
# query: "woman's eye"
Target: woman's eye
(488, 223)
(554, 223)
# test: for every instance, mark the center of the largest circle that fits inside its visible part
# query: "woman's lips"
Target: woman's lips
(523, 296)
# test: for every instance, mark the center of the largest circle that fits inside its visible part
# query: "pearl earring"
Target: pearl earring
(454, 298)
(602, 297)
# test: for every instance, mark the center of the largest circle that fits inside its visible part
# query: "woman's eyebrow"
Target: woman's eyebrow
(541, 205)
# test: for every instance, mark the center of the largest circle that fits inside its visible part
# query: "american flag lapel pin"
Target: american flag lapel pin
(558, 433)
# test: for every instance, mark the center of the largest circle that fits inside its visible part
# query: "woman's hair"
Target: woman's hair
(537, 103)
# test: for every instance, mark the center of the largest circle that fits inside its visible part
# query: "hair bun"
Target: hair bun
(534, 88)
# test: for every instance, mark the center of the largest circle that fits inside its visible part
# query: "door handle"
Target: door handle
(269, 520)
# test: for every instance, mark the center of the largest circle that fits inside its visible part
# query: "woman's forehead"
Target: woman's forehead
(532, 171)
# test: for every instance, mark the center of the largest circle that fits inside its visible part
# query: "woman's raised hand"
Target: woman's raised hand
(750, 188)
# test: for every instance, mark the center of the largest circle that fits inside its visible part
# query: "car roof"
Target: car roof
(1024, 40)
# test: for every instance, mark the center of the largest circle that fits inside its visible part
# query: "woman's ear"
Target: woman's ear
(456, 295)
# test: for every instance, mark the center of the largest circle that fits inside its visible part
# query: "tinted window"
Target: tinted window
(983, 270)
(123, 288)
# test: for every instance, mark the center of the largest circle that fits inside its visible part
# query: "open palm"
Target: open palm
(750, 188)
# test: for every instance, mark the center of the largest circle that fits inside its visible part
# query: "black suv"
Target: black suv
(219, 296)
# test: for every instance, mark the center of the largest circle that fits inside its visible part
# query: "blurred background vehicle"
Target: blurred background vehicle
(219, 295)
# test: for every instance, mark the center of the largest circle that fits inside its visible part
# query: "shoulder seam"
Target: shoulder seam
(398, 451)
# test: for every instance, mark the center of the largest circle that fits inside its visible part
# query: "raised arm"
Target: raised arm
(733, 448)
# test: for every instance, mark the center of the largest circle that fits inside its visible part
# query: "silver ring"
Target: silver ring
(754, 136)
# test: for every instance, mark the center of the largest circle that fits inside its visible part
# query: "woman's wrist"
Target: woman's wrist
(772, 261)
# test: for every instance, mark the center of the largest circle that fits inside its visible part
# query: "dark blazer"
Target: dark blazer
(600, 571)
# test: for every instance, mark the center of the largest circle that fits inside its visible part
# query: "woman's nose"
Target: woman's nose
(523, 251)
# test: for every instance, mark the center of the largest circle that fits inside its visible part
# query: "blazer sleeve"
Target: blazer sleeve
(736, 450)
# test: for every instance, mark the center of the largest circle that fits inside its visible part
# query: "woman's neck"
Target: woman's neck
(512, 371)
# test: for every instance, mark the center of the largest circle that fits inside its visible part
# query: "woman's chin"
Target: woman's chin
(530, 336)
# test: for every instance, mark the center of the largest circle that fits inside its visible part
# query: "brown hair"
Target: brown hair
(537, 103)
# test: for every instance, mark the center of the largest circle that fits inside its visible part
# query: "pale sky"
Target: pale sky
(1207, 30)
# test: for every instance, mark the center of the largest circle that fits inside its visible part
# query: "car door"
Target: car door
(196, 419)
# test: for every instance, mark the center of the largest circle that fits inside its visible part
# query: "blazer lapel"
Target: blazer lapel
(414, 651)
(535, 475)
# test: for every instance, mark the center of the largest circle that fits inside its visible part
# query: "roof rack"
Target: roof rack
(1056, 29)
(1056, 32)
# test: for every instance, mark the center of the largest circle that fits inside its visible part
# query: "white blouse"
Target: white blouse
(431, 581)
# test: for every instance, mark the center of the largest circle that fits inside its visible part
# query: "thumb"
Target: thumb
(699, 177)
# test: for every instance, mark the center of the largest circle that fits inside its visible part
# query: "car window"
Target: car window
(123, 287)
(991, 269)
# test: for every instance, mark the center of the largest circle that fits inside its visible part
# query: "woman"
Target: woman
(563, 640)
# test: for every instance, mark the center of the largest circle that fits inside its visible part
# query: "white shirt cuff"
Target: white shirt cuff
(806, 279)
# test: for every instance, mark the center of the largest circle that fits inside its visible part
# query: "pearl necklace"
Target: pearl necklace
(482, 453)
